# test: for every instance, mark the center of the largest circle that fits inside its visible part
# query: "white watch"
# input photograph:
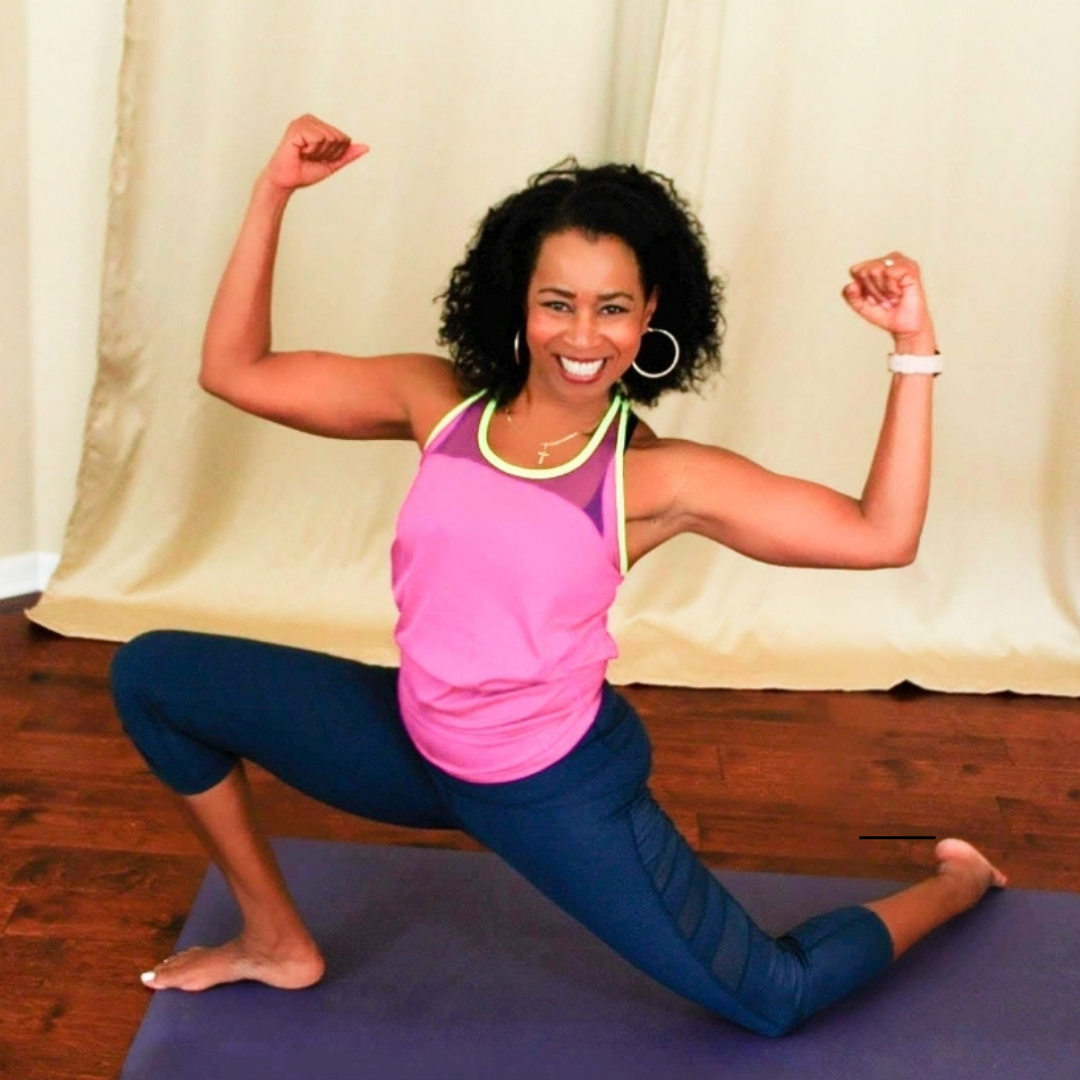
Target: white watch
(907, 364)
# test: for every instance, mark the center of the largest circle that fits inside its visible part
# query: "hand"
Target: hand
(310, 151)
(888, 292)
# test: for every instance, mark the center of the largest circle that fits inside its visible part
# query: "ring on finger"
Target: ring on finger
(887, 262)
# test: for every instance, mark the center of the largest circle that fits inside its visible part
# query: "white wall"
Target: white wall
(59, 61)
(16, 459)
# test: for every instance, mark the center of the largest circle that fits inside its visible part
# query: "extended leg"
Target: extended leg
(588, 834)
(195, 704)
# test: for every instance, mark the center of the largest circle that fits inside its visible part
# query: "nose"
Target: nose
(582, 332)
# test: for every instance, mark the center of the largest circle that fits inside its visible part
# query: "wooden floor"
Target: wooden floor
(97, 871)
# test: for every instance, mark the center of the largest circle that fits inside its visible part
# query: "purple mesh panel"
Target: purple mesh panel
(583, 487)
(595, 506)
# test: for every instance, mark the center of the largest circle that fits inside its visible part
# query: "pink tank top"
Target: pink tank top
(503, 578)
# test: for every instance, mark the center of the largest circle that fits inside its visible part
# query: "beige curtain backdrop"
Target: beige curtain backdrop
(808, 135)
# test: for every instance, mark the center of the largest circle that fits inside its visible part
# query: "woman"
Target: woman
(537, 489)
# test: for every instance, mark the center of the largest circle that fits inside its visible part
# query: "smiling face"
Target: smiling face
(586, 310)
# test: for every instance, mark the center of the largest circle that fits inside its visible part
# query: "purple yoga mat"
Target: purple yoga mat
(445, 965)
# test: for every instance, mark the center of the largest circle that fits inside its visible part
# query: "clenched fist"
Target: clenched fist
(888, 292)
(310, 151)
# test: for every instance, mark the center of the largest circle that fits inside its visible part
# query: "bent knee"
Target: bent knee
(136, 664)
(138, 672)
(780, 1023)
(150, 676)
(775, 1015)
(777, 988)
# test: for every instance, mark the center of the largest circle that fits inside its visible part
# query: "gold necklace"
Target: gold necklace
(543, 453)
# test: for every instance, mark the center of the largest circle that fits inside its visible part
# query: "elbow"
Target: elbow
(890, 545)
(897, 555)
(206, 382)
(214, 386)
(209, 372)
(221, 374)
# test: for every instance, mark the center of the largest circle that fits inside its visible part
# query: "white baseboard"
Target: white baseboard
(22, 574)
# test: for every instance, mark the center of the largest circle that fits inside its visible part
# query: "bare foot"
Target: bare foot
(960, 860)
(290, 967)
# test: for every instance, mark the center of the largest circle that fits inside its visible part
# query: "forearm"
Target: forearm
(897, 490)
(238, 331)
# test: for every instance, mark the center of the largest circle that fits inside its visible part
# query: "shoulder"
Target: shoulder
(663, 479)
(431, 390)
(651, 472)
(662, 474)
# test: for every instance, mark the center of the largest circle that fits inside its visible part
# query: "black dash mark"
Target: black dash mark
(897, 837)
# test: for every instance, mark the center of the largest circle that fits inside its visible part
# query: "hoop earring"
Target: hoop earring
(517, 348)
(674, 360)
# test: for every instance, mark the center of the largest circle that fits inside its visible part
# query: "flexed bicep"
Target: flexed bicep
(325, 393)
(774, 518)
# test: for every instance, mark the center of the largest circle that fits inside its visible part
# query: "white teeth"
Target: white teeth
(581, 368)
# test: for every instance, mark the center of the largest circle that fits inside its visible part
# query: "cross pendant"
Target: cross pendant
(542, 456)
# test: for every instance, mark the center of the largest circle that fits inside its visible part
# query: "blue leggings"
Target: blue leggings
(585, 831)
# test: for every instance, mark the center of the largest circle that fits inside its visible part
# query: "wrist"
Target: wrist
(920, 343)
(269, 193)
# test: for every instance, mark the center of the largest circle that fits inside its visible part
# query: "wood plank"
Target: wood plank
(69, 1028)
(71, 753)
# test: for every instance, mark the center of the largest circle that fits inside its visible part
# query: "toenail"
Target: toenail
(148, 976)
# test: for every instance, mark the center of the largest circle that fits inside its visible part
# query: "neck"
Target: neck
(549, 413)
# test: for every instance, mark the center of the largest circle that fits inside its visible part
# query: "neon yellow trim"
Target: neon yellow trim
(620, 498)
(456, 411)
(555, 470)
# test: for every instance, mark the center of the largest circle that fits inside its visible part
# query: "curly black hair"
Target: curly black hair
(484, 304)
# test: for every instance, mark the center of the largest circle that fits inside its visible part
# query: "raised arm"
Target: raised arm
(387, 397)
(784, 520)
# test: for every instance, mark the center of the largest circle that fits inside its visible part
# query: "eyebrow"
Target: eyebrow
(569, 293)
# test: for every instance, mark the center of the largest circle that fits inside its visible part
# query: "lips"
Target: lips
(581, 369)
